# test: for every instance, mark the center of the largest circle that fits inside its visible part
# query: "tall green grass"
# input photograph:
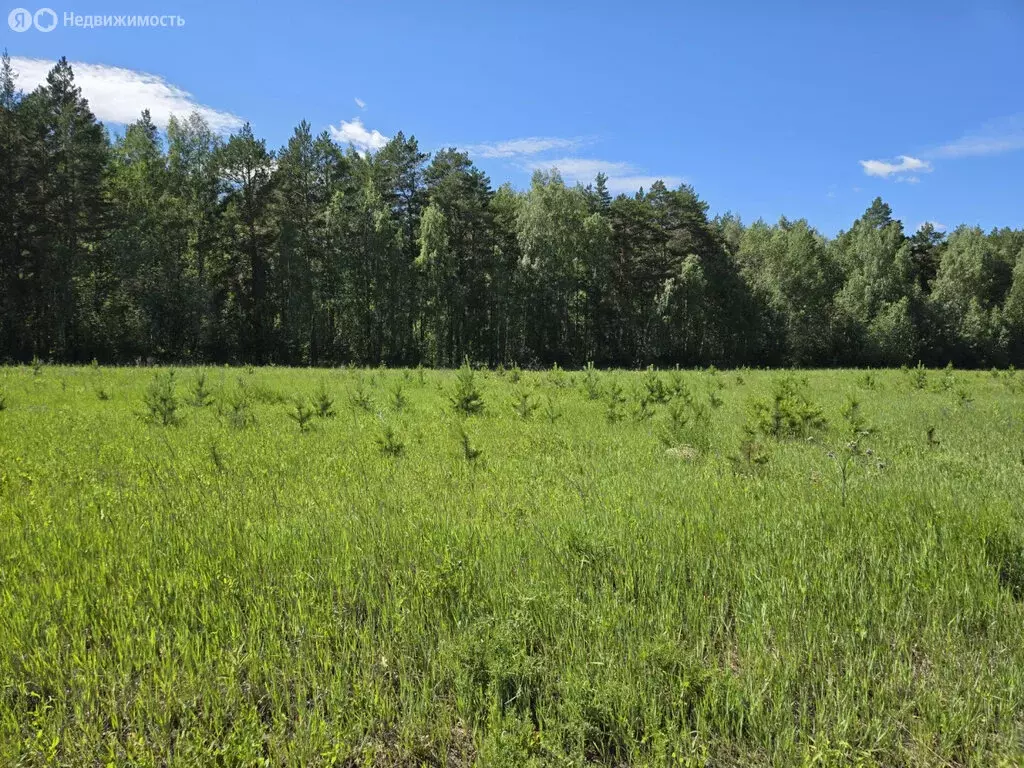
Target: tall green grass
(629, 569)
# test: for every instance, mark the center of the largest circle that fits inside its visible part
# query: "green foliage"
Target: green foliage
(302, 413)
(542, 591)
(359, 398)
(524, 404)
(217, 458)
(398, 399)
(552, 411)
(616, 403)
(963, 397)
(161, 400)
(144, 246)
(557, 377)
(237, 407)
(918, 377)
(202, 396)
(642, 408)
(323, 402)
(788, 413)
(686, 423)
(467, 400)
(390, 442)
(655, 389)
(752, 456)
(846, 459)
(1004, 550)
(470, 453)
(856, 423)
(590, 382)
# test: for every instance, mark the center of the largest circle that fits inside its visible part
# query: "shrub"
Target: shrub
(389, 442)
(524, 405)
(752, 456)
(237, 408)
(398, 399)
(323, 403)
(591, 384)
(856, 424)
(788, 413)
(642, 411)
(552, 412)
(201, 394)
(845, 459)
(557, 377)
(467, 400)
(616, 403)
(918, 376)
(359, 398)
(686, 424)
(161, 400)
(302, 414)
(654, 386)
(469, 452)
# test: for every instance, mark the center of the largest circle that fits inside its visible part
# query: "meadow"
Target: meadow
(271, 566)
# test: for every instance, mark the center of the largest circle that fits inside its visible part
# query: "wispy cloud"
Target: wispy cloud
(934, 224)
(627, 184)
(360, 103)
(995, 137)
(622, 177)
(118, 95)
(582, 169)
(355, 133)
(532, 145)
(906, 165)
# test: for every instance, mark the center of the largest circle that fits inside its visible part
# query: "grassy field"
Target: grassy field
(624, 568)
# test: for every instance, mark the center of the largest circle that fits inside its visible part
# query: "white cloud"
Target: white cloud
(575, 169)
(627, 184)
(622, 177)
(521, 147)
(355, 133)
(885, 169)
(360, 103)
(118, 95)
(1003, 135)
(935, 225)
(908, 179)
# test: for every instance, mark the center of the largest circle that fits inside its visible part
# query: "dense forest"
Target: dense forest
(184, 246)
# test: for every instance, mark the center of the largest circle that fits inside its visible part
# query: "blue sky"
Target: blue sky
(803, 109)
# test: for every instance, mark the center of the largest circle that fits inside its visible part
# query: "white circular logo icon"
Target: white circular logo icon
(45, 19)
(20, 20)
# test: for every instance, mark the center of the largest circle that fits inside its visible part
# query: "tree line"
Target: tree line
(185, 246)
